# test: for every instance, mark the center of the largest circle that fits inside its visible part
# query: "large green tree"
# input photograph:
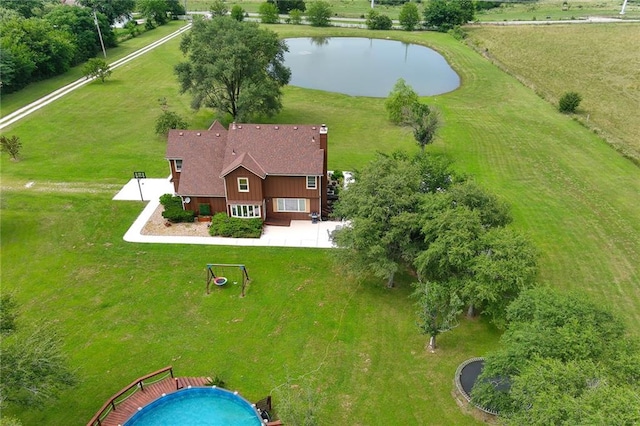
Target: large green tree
(446, 14)
(234, 67)
(112, 9)
(35, 49)
(268, 13)
(469, 249)
(25, 8)
(438, 310)
(383, 208)
(409, 16)
(424, 121)
(155, 11)
(561, 356)
(34, 368)
(218, 8)
(286, 6)
(319, 13)
(400, 101)
(79, 22)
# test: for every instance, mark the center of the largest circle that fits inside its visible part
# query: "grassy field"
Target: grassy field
(128, 309)
(559, 9)
(14, 101)
(578, 58)
(509, 11)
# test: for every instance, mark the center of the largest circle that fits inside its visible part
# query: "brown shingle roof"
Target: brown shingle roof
(248, 162)
(201, 153)
(263, 149)
(278, 149)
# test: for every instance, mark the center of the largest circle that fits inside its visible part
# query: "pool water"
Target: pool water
(198, 406)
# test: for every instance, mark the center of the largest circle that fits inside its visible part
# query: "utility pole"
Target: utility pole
(623, 6)
(95, 19)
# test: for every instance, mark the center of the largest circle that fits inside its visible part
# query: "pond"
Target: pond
(367, 67)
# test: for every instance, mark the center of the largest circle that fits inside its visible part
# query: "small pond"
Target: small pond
(367, 67)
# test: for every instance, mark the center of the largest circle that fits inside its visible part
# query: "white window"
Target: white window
(312, 182)
(291, 205)
(243, 210)
(178, 164)
(243, 184)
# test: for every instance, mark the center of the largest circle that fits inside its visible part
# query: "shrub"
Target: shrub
(319, 14)
(225, 226)
(237, 13)
(458, 33)
(96, 67)
(569, 102)
(173, 211)
(168, 120)
(11, 145)
(268, 13)
(401, 99)
(218, 8)
(376, 21)
(170, 200)
(216, 381)
(409, 17)
(295, 17)
(177, 215)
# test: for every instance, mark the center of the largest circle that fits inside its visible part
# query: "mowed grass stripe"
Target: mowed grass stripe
(554, 174)
(127, 309)
(601, 62)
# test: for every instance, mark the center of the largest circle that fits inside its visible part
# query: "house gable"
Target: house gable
(251, 164)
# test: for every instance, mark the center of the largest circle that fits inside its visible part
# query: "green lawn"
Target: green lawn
(129, 309)
(542, 10)
(14, 101)
(509, 11)
(577, 58)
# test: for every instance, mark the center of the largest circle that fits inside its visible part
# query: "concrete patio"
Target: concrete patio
(301, 233)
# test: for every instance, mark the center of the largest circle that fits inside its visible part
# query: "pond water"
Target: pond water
(367, 67)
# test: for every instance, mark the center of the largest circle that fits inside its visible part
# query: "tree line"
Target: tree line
(563, 359)
(43, 38)
(440, 15)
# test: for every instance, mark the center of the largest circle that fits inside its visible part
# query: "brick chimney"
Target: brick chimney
(325, 179)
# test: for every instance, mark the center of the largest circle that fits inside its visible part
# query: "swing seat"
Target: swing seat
(220, 280)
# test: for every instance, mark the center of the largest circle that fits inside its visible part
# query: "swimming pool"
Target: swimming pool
(198, 406)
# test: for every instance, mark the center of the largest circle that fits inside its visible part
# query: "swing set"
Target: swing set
(221, 280)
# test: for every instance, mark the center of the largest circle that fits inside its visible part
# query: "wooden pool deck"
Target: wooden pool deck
(151, 392)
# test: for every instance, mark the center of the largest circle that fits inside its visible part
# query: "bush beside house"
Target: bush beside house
(225, 226)
(173, 211)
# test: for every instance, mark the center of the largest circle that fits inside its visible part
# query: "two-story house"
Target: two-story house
(274, 172)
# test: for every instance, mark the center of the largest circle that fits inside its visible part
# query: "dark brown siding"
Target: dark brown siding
(314, 207)
(175, 176)
(217, 204)
(255, 187)
(324, 142)
(290, 187)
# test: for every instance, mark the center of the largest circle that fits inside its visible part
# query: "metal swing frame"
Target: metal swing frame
(211, 275)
